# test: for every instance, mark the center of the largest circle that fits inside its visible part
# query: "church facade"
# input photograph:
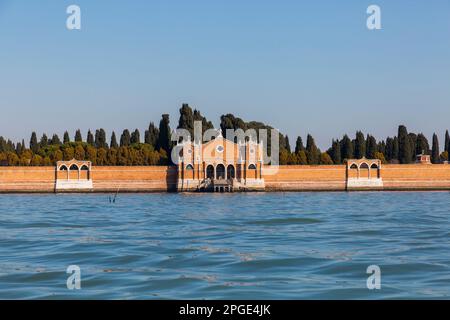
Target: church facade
(220, 165)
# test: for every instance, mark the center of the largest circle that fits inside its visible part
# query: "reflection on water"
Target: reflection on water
(229, 246)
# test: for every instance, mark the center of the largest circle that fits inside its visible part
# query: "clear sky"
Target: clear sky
(301, 66)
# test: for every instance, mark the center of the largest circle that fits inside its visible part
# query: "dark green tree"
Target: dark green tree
(312, 152)
(405, 146)
(299, 145)
(55, 140)
(360, 145)
(346, 148)
(371, 147)
(100, 139)
(447, 141)
(113, 143)
(435, 150)
(287, 144)
(135, 137)
(422, 145)
(66, 138)
(78, 137)
(44, 141)
(34, 146)
(151, 135)
(164, 138)
(186, 120)
(125, 138)
(206, 125)
(90, 138)
(335, 152)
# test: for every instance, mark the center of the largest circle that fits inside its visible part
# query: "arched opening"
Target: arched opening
(353, 171)
(376, 172)
(210, 172)
(63, 168)
(231, 172)
(220, 171)
(364, 171)
(189, 174)
(84, 172)
(252, 171)
(74, 174)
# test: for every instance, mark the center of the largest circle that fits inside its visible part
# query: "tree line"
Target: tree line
(154, 147)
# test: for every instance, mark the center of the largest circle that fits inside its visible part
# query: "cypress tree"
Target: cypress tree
(422, 145)
(336, 152)
(435, 150)
(90, 138)
(312, 152)
(299, 145)
(360, 145)
(78, 137)
(186, 120)
(413, 140)
(135, 137)
(44, 141)
(125, 138)
(66, 138)
(405, 147)
(151, 135)
(55, 140)
(205, 123)
(346, 148)
(396, 149)
(447, 141)
(34, 146)
(113, 143)
(100, 139)
(287, 144)
(164, 137)
(371, 147)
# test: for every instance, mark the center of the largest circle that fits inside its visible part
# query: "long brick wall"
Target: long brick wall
(288, 178)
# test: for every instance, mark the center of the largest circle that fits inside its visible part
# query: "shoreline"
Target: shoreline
(166, 179)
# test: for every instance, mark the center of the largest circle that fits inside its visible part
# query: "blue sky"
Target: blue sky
(302, 66)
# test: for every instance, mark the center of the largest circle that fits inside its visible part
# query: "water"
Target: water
(226, 246)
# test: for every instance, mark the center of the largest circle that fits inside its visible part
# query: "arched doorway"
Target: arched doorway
(230, 172)
(220, 171)
(210, 172)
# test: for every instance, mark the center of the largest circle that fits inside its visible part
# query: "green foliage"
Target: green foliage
(360, 145)
(164, 138)
(299, 145)
(78, 137)
(405, 146)
(435, 154)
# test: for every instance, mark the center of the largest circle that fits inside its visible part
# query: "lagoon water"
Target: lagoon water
(226, 246)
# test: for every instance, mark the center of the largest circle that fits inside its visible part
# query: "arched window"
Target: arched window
(210, 172)
(231, 172)
(220, 171)
(74, 167)
(354, 166)
(84, 167)
(252, 167)
(364, 166)
(63, 168)
(374, 166)
(189, 167)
